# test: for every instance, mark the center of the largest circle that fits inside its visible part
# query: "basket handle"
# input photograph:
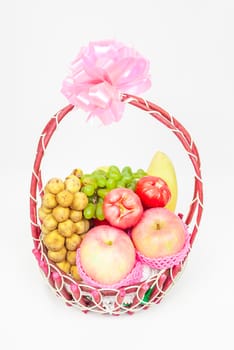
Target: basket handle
(196, 206)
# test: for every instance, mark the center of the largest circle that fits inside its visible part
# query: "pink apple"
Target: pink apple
(107, 254)
(159, 233)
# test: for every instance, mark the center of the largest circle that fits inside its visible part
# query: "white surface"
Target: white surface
(190, 45)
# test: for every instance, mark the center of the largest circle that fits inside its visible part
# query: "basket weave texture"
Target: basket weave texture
(125, 299)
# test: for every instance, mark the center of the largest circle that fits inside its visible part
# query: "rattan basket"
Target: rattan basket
(131, 298)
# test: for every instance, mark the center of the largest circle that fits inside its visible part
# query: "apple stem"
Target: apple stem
(158, 226)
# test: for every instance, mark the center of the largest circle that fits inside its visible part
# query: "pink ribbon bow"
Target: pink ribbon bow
(100, 74)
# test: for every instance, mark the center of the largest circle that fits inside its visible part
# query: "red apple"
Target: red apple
(122, 208)
(159, 233)
(107, 254)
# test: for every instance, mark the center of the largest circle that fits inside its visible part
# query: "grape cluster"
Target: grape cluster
(98, 183)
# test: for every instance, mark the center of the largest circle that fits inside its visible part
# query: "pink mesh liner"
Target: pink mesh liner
(133, 277)
(168, 261)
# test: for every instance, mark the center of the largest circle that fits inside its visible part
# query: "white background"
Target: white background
(190, 46)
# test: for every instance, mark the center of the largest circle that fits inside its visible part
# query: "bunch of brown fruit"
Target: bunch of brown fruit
(62, 222)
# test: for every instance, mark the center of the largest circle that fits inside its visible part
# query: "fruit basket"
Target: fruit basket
(150, 277)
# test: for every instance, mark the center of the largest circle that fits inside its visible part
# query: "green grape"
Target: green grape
(136, 176)
(110, 183)
(113, 168)
(114, 173)
(88, 189)
(131, 186)
(141, 173)
(102, 192)
(127, 179)
(101, 181)
(115, 176)
(120, 184)
(99, 211)
(89, 179)
(126, 171)
(89, 211)
(86, 179)
(135, 179)
(98, 172)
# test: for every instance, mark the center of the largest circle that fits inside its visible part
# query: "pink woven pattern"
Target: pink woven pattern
(168, 261)
(133, 277)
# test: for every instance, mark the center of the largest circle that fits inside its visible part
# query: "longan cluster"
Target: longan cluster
(63, 224)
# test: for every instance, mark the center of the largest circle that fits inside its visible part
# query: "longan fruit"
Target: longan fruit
(66, 228)
(86, 225)
(72, 183)
(54, 241)
(74, 272)
(45, 230)
(77, 172)
(73, 242)
(76, 215)
(64, 266)
(64, 198)
(80, 201)
(47, 210)
(82, 226)
(49, 200)
(54, 185)
(60, 213)
(57, 256)
(50, 222)
(71, 257)
(43, 211)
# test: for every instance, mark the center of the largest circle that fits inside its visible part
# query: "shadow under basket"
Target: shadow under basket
(127, 299)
